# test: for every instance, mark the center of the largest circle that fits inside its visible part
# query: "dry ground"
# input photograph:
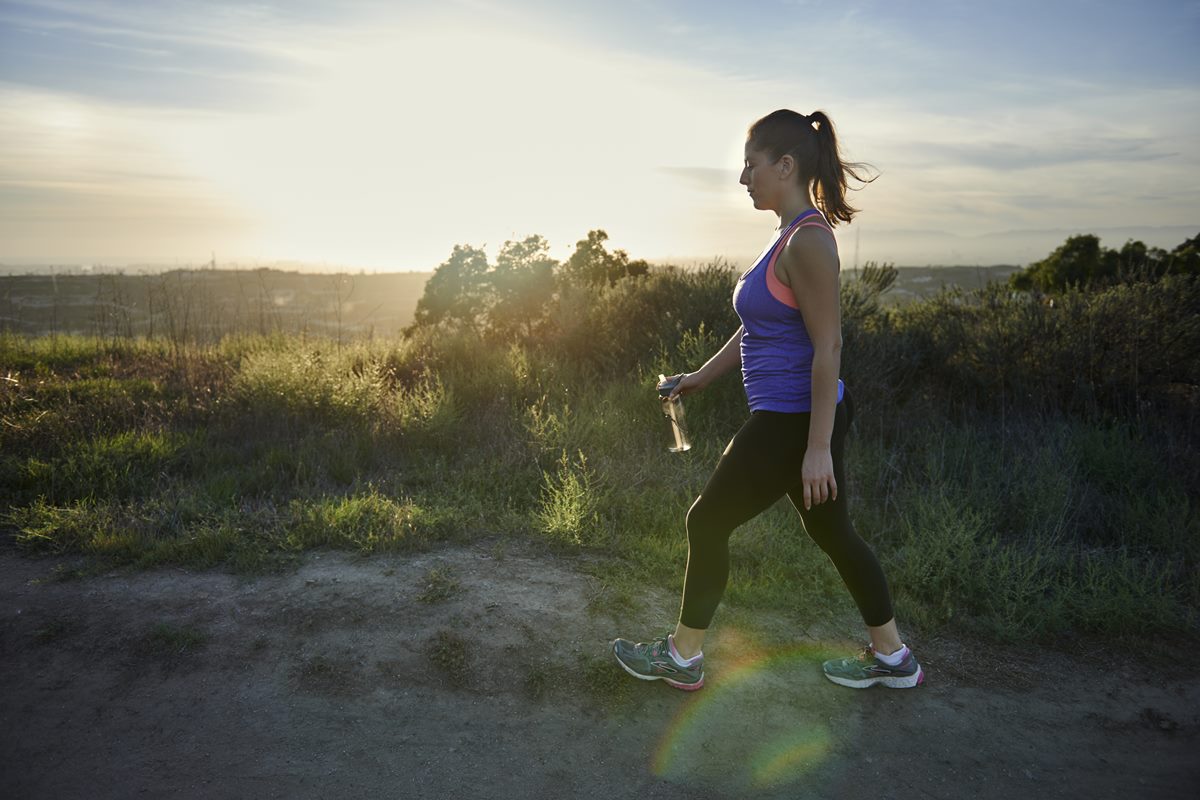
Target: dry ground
(484, 672)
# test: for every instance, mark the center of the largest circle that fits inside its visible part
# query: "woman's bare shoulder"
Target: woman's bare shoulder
(810, 251)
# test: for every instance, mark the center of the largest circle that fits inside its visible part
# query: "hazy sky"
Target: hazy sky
(380, 134)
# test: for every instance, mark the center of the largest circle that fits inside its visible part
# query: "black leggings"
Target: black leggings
(761, 464)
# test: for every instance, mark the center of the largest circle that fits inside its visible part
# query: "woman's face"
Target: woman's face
(760, 176)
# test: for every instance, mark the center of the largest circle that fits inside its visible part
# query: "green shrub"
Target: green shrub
(566, 512)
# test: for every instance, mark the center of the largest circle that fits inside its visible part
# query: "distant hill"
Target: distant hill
(934, 247)
(915, 283)
(207, 303)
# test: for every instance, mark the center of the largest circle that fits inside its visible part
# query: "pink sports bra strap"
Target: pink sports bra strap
(778, 290)
(815, 221)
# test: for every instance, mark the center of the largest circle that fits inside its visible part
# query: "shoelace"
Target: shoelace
(654, 647)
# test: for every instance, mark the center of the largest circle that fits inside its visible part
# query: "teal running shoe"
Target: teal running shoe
(865, 670)
(652, 661)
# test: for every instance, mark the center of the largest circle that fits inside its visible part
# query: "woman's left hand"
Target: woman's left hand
(817, 473)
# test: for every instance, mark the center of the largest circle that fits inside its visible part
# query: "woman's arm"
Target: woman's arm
(810, 266)
(727, 358)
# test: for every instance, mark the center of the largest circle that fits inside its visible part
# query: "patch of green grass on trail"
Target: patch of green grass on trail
(538, 681)
(439, 585)
(610, 688)
(167, 640)
(450, 654)
(55, 630)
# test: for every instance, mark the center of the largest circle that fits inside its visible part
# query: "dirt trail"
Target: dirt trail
(438, 676)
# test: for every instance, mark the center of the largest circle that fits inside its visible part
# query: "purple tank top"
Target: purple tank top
(777, 352)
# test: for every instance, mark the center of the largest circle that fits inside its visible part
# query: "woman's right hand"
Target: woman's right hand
(688, 382)
(727, 358)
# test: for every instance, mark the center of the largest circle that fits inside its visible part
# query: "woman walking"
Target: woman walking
(789, 349)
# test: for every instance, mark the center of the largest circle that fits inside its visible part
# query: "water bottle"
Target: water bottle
(673, 410)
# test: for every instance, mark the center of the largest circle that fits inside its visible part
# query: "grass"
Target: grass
(55, 630)
(538, 680)
(609, 689)
(168, 641)
(449, 654)
(439, 585)
(248, 452)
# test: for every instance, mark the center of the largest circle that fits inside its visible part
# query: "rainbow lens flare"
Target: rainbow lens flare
(762, 723)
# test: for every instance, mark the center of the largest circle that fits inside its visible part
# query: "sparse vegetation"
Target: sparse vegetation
(448, 653)
(169, 641)
(1025, 468)
(609, 689)
(55, 630)
(439, 585)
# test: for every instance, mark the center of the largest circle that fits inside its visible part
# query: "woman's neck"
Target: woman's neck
(794, 204)
(792, 210)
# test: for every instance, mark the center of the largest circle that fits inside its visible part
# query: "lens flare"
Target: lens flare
(763, 723)
(785, 759)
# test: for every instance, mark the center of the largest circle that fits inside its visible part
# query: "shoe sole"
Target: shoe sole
(891, 682)
(687, 687)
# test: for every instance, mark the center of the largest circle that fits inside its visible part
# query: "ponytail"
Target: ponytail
(813, 143)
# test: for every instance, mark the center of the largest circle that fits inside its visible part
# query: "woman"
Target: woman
(789, 349)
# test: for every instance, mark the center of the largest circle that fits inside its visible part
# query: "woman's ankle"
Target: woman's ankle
(688, 642)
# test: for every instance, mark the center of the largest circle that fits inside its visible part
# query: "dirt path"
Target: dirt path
(438, 676)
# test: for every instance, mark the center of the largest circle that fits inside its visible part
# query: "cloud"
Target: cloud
(1010, 156)
(201, 55)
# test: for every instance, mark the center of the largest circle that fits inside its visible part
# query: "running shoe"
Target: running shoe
(652, 661)
(865, 670)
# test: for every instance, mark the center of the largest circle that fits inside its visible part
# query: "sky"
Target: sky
(377, 135)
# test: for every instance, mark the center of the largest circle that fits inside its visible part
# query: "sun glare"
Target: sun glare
(444, 137)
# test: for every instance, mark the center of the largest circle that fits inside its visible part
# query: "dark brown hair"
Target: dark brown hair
(811, 141)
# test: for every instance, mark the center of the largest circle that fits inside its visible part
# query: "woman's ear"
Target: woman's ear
(786, 163)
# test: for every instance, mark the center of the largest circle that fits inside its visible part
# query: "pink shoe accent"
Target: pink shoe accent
(687, 687)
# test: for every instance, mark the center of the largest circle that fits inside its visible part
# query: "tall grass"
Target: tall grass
(1010, 482)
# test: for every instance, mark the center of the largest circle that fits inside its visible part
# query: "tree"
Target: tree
(1076, 261)
(522, 283)
(592, 265)
(1185, 259)
(512, 299)
(1081, 261)
(457, 291)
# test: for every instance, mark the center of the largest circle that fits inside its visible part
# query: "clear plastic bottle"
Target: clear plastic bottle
(673, 411)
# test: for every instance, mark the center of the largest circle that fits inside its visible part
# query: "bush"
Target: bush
(1127, 350)
(617, 328)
